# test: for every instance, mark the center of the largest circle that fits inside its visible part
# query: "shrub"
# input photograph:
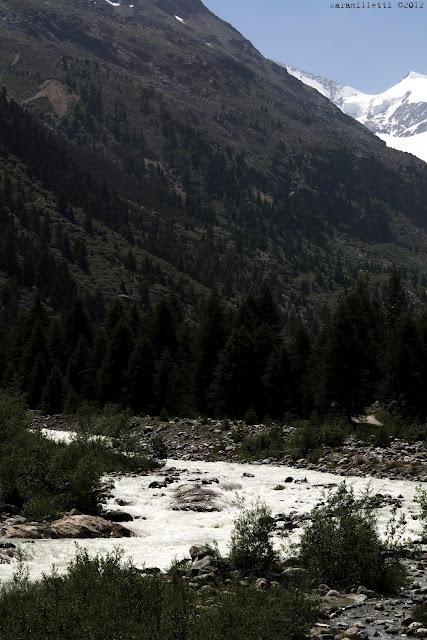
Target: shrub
(420, 613)
(105, 599)
(42, 477)
(310, 437)
(421, 500)
(251, 547)
(158, 447)
(341, 547)
(246, 614)
(265, 444)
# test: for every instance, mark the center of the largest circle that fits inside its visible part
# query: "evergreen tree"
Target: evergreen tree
(346, 374)
(209, 342)
(278, 383)
(52, 400)
(140, 377)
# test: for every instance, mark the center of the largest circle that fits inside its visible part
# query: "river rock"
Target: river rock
(367, 592)
(80, 526)
(32, 531)
(262, 584)
(117, 516)
(204, 565)
(413, 628)
(88, 527)
(198, 551)
(341, 601)
(195, 497)
(157, 484)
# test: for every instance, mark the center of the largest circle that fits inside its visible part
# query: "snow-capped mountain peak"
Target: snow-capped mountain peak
(414, 75)
(397, 115)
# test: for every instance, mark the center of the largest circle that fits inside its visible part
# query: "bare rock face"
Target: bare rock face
(76, 526)
(196, 497)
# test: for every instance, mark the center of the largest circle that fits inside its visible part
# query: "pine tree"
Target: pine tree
(346, 372)
(232, 390)
(140, 377)
(208, 344)
(403, 384)
(277, 383)
(52, 400)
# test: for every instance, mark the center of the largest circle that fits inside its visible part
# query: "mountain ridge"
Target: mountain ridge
(397, 115)
(233, 171)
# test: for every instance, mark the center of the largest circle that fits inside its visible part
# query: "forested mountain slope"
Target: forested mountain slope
(232, 171)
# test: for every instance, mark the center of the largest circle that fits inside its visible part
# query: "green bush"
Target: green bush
(420, 613)
(42, 477)
(104, 599)
(251, 547)
(264, 445)
(341, 546)
(159, 447)
(247, 614)
(310, 437)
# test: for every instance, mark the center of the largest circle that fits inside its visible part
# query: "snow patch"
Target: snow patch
(417, 144)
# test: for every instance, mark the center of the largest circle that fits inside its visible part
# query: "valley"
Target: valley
(213, 335)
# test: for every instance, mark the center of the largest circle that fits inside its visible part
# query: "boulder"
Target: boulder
(367, 592)
(157, 484)
(16, 520)
(352, 633)
(262, 584)
(79, 526)
(413, 627)
(7, 545)
(31, 531)
(88, 527)
(198, 551)
(332, 602)
(195, 497)
(117, 516)
(203, 565)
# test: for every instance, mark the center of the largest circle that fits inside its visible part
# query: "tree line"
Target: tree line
(239, 362)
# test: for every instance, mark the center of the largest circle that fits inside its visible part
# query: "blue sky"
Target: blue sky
(370, 49)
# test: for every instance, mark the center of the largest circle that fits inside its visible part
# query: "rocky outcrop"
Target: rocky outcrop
(70, 526)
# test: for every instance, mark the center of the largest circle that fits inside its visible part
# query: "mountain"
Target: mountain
(225, 171)
(398, 115)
